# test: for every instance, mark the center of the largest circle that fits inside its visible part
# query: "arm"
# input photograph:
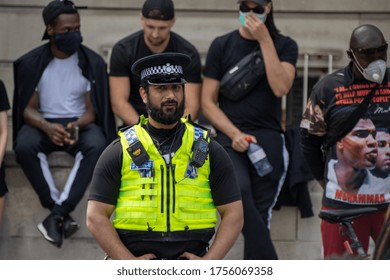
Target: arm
(280, 75)
(217, 118)
(34, 118)
(100, 226)
(89, 115)
(87, 118)
(3, 134)
(232, 220)
(119, 96)
(192, 97)
(311, 147)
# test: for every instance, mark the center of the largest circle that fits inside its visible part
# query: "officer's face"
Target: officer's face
(165, 103)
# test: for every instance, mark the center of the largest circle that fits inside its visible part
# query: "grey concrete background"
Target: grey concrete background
(319, 27)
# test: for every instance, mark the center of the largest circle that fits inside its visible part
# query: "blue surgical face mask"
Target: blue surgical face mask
(262, 17)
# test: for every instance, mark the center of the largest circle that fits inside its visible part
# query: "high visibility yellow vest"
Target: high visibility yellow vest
(160, 197)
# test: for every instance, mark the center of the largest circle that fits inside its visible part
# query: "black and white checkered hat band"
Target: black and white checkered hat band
(167, 69)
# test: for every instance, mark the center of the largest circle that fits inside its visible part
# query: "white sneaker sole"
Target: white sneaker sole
(42, 229)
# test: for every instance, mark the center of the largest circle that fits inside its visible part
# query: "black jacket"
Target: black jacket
(29, 68)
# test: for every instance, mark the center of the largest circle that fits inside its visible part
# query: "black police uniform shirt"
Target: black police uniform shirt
(131, 48)
(331, 101)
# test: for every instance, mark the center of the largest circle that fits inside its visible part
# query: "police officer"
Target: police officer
(165, 178)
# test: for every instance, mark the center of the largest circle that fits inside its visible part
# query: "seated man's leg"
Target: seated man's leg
(31, 149)
(86, 151)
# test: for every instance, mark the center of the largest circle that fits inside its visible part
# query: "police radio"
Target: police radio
(200, 150)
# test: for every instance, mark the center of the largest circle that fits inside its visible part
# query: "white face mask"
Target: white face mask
(262, 17)
(374, 72)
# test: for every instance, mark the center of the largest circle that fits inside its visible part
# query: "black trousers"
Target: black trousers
(168, 245)
(259, 194)
(33, 146)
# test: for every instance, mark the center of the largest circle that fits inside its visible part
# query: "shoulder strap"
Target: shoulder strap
(352, 120)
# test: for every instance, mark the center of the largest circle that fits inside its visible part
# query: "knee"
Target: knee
(23, 148)
(96, 147)
(27, 141)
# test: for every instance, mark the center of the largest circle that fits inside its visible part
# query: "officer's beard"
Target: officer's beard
(171, 117)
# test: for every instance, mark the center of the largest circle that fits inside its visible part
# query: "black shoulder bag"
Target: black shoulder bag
(352, 120)
(243, 77)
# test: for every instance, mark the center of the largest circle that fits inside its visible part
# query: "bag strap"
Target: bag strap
(256, 50)
(352, 120)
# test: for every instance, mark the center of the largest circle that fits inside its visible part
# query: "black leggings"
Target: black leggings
(259, 194)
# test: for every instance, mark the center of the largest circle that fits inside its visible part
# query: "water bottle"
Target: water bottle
(258, 158)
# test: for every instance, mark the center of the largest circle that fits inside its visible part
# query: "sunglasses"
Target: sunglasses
(372, 51)
(364, 133)
(256, 10)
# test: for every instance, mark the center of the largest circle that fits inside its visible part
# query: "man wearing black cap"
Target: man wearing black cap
(61, 103)
(257, 115)
(157, 18)
(164, 178)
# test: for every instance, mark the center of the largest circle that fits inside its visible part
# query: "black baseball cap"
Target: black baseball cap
(162, 68)
(260, 2)
(54, 9)
(158, 9)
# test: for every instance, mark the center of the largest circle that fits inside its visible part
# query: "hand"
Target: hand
(190, 256)
(146, 257)
(56, 133)
(239, 142)
(256, 27)
(72, 136)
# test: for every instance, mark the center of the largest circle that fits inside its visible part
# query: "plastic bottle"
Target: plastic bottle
(258, 158)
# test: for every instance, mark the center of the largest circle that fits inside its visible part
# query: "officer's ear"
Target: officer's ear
(143, 94)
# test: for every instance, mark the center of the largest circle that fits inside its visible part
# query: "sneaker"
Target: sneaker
(70, 226)
(51, 229)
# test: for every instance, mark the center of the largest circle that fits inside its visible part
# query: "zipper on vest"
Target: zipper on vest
(173, 188)
(162, 188)
(168, 198)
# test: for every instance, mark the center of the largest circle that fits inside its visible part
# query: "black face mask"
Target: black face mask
(68, 42)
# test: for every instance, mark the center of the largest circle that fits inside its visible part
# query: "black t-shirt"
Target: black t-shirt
(4, 102)
(260, 108)
(107, 175)
(131, 48)
(332, 101)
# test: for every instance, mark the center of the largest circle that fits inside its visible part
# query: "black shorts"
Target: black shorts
(3, 185)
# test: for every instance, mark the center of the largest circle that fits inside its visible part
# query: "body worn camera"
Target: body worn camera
(138, 153)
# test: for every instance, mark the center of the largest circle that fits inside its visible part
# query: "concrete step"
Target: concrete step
(294, 237)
